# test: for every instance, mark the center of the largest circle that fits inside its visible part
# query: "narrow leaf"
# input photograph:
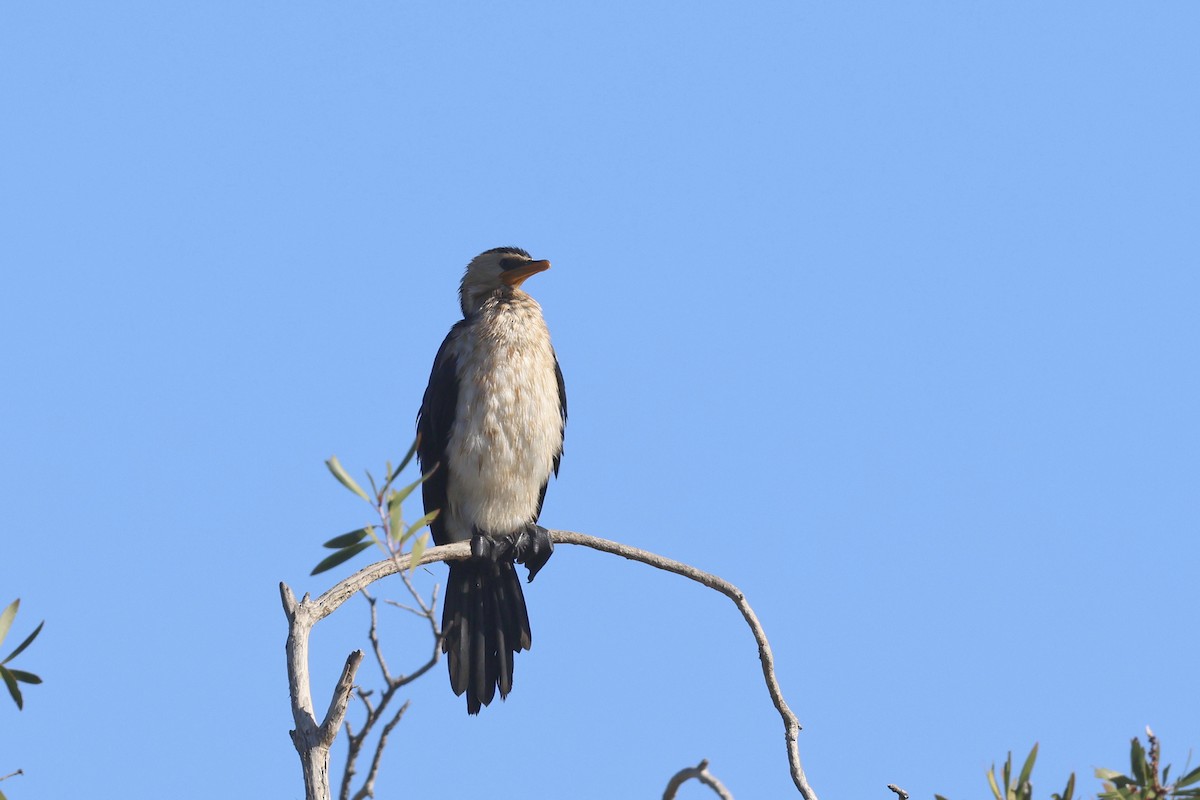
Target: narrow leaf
(424, 521)
(25, 677)
(1189, 779)
(7, 616)
(412, 450)
(336, 468)
(1137, 762)
(991, 776)
(13, 689)
(340, 556)
(1027, 769)
(402, 494)
(25, 643)
(395, 516)
(346, 539)
(421, 523)
(1107, 774)
(418, 550)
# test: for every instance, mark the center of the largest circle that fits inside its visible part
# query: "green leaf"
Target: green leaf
(25, 677)
(1069, 792)
(418, 550)
(991, 776)
(13, 689)
(1027, 770)
(395, 516)
(336, 468)
(347, 539)
(25, 643)
(402, 494)
(7, 616)
(938, 797)
(1107, 774)
(1137, 763)
(421, 523)
(1189, 779)
(340, 556)
(412, 450)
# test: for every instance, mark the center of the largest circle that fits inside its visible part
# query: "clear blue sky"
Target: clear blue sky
(886, 312)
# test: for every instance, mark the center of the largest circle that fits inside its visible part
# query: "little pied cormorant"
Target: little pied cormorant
(491, 428)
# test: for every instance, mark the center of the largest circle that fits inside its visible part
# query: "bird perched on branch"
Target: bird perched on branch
(491, 428)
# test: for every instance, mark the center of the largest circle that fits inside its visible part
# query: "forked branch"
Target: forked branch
(309, 612)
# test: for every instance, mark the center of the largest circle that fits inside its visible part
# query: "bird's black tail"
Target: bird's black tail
(484, 622)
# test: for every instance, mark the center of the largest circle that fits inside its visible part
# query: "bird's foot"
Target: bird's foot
(493, 548)
(533, 548)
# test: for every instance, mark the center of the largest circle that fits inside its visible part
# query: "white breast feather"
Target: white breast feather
(508, 423)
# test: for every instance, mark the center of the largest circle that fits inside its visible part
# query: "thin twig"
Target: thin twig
(1155, 776)
(356, 741)
(699, 772)
(418, 612)
(368, 787)
(373, 636)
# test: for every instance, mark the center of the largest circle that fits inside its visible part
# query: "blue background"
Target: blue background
(886, 312)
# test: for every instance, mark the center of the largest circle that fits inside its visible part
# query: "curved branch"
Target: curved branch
(328, 602)
(699, 772)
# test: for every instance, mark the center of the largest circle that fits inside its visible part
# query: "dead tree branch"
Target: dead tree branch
(374, 714)
(699, 772)
(304, 614)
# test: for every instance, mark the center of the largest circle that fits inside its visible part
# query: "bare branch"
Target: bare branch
(328, 602)
(341, 698)
(368, 787)
(699, 772)
(356, 741)
(791, 725)
(900, 793)
(373, 636)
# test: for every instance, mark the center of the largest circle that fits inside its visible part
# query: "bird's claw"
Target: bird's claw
(493, 549)
(533, 548)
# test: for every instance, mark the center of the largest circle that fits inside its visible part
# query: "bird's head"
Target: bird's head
(495, 269)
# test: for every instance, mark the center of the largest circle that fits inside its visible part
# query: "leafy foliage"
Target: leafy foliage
(13, 677)
(393, 533)
(1145, 781)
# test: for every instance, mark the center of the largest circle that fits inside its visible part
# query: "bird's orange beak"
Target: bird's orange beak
(516, 276)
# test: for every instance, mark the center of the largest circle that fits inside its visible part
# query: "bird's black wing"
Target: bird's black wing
(434, 422)
(562, 406)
